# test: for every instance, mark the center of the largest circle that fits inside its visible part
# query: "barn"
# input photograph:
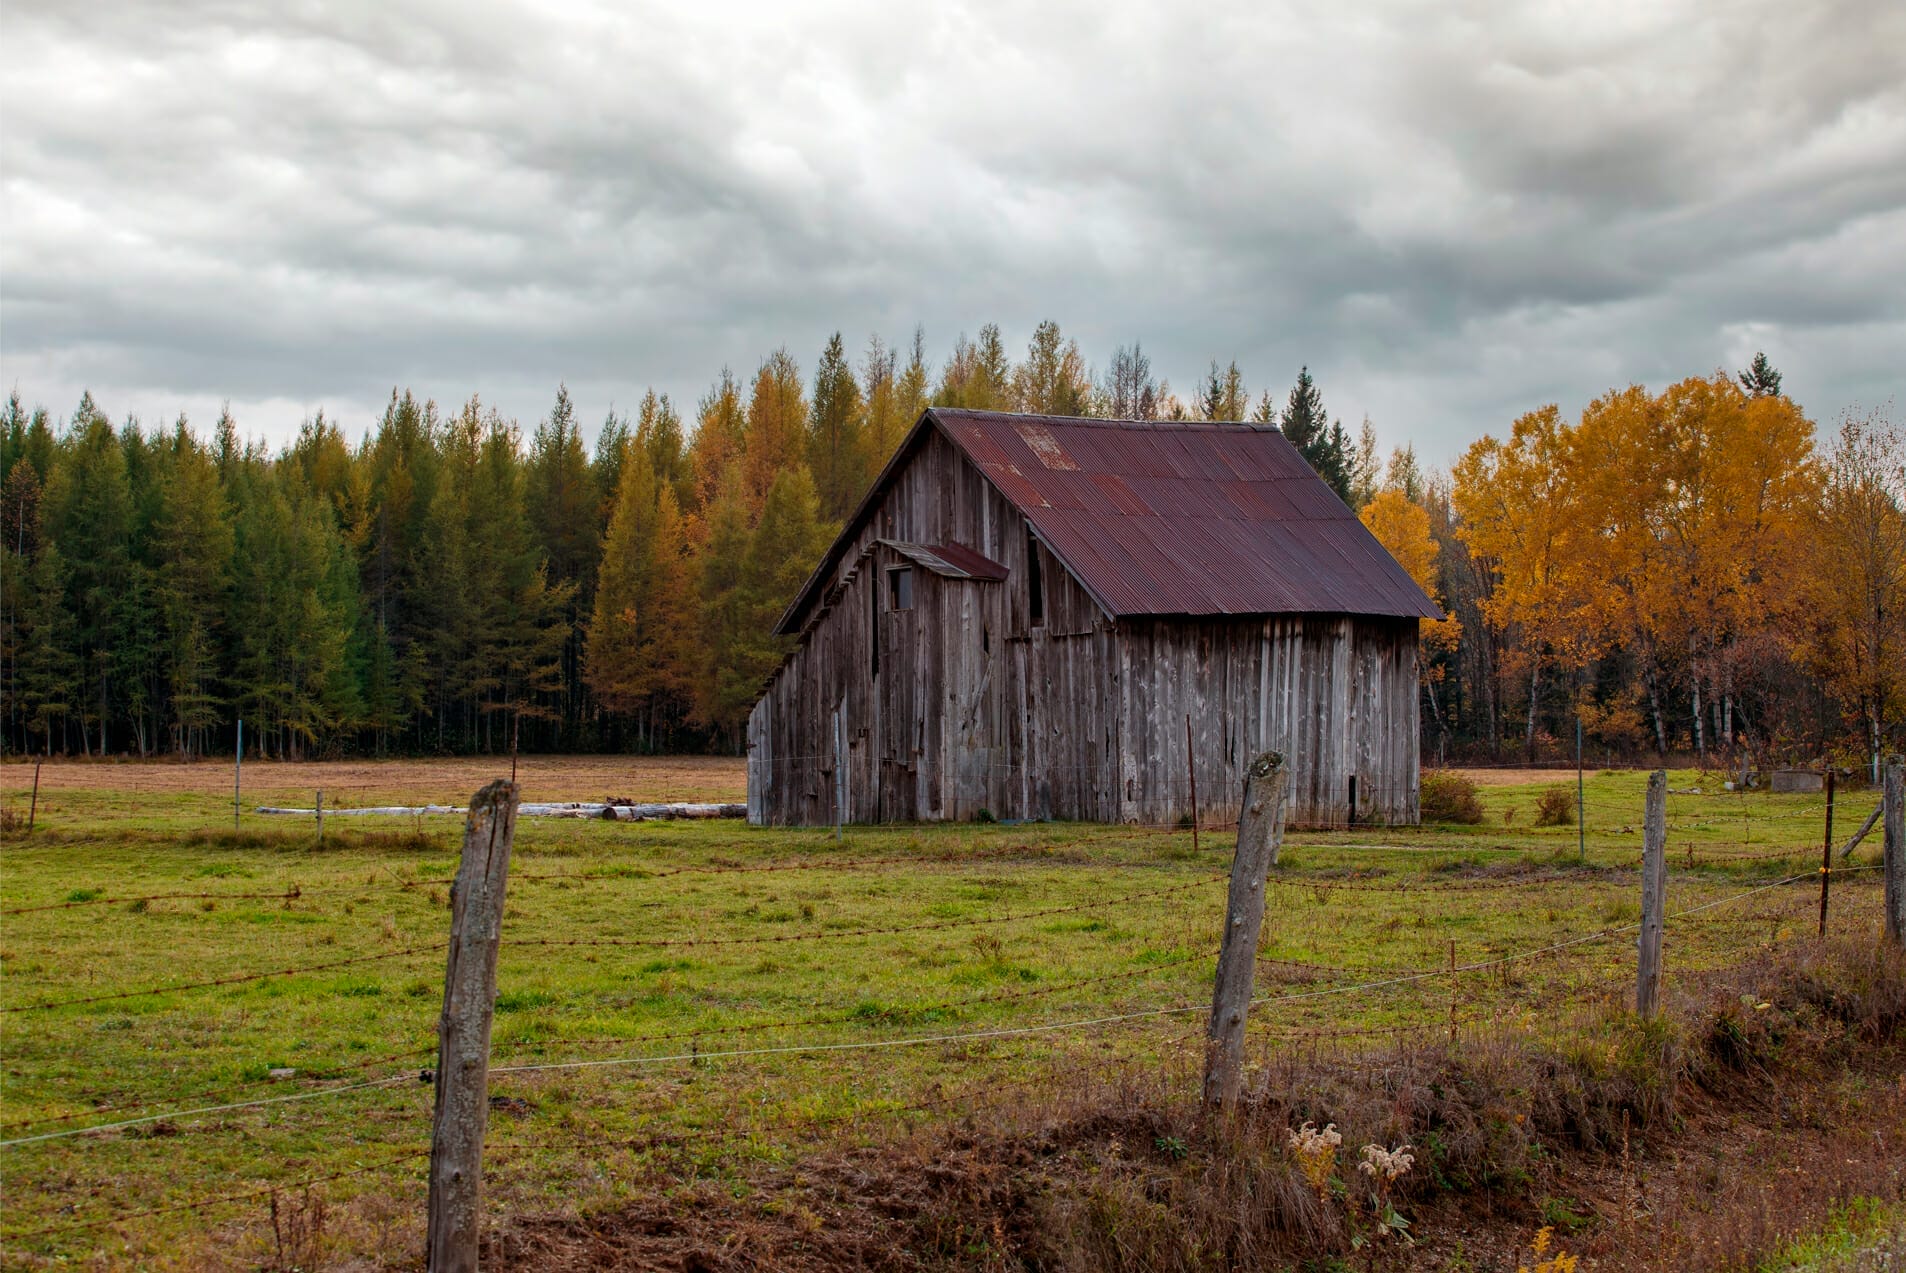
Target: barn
(1033, 617)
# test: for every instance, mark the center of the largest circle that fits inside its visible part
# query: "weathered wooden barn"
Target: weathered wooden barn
(1035, 617)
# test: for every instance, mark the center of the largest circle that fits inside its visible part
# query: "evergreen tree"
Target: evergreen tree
(1323, 445)
(89, 503)
(19, 545)
(47, 674)
(836, 446)
(1760, 380)
(192, 555)
(562, 500)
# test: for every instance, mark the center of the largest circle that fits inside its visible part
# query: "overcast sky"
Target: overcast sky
(1454, 212)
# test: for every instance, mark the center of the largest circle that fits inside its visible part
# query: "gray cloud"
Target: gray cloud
(1452, 213)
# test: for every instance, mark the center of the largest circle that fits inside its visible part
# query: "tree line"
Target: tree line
(446, 584)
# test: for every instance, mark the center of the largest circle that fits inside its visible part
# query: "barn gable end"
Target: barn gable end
(951, 662)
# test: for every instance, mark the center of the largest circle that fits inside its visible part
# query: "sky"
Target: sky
(1452, 212)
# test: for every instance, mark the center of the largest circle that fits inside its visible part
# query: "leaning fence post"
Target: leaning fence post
(1893, 848)
(1260, 834)
(463, 1033)
(1654, 888)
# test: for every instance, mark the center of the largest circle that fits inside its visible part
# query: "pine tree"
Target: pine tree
(836, 446)
(1324, 445)
(192, 552)
(89, 504)
(47, 676)
(562, 503)
(19, 545)
(1760, 380)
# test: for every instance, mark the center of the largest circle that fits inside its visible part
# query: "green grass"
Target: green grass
(736, 953)
(1863, 1234)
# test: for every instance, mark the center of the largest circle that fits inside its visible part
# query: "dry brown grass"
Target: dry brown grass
(1699, 1142)
(362, 782)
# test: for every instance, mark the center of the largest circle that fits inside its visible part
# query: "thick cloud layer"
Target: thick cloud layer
(1453, 213)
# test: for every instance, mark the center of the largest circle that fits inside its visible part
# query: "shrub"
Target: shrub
(1555, 808)
(1450, 797)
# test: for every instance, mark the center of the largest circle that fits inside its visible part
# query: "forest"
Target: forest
(1696, 570)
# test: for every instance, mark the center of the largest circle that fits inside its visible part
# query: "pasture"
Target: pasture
(240, 1013)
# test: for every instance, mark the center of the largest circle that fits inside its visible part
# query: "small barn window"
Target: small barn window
(1035, 582)
(900, 588)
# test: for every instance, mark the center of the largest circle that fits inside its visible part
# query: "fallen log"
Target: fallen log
(659, 812)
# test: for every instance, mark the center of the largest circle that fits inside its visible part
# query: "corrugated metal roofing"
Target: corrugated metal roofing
(1191, 519)
(1158, 518)
(955, 561)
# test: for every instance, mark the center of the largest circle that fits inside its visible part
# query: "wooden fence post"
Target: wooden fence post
(1826, 856)
(463, 1033)
(238, 769)
(33, 810)
(1654, 888)
(1260, 835)
(1893, 848)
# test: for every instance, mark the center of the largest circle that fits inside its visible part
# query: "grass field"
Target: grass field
(665, 986)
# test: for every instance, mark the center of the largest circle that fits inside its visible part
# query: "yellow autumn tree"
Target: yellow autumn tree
(1403, 528)
(1520, 513)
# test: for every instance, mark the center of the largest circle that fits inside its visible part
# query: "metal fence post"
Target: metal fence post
(1260, 832)
(1654, 887)
(463, 1032)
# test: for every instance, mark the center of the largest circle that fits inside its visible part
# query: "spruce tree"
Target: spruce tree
(1760, 380)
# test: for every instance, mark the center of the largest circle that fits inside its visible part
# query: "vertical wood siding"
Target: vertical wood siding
(974, 709)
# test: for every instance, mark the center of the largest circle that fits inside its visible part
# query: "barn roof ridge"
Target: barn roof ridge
(1235, 525)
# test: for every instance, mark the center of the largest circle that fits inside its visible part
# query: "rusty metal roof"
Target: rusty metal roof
(1162, 518)
(1186, 519)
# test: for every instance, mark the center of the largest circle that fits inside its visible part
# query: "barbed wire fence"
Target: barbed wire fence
(1320, 982)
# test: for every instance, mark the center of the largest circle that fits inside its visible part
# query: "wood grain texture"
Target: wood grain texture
(975, 709)
(463, 1032)
(1260, 836)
